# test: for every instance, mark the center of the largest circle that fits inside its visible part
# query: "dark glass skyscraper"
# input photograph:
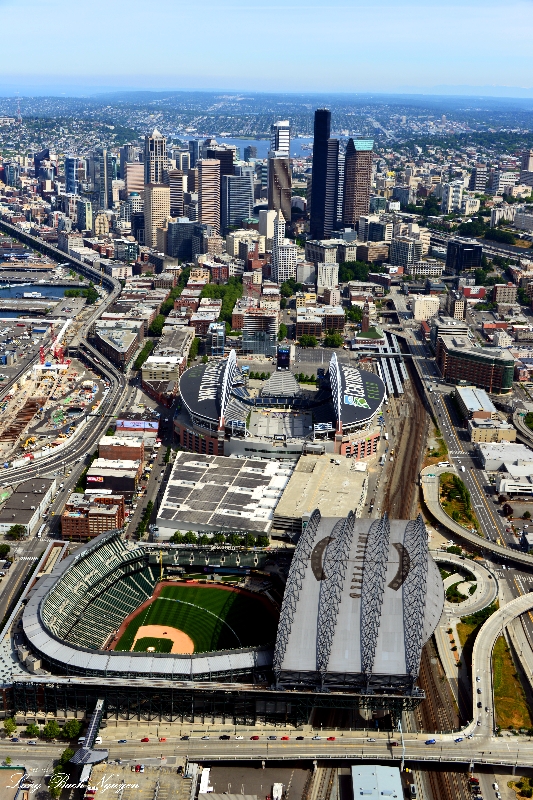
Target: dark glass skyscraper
(325, 178)
(357, 180)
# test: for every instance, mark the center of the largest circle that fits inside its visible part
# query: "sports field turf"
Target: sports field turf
(160, 645)
(215, 619)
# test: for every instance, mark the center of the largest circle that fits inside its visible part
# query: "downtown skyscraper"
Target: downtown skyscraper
(155, 158)
(325, 178)
(357, 180)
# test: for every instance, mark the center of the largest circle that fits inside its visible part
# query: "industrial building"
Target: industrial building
(26, 505)
(475, 403)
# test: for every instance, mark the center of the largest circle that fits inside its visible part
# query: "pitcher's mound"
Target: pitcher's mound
(181, 643)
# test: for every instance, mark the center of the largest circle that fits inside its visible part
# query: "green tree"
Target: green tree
(190, 538)
(32, 730)
(8, 761)
(156, 328)
(233, 539)
(177, 538)
(282, 332)
(143, 355)
(526, 515)
(67, 754)
(263, 541)
(16, 532)
(249, 540)
(354, 314)
(219, 538)
(496, 235)
(51, 730)
(333, 339)
(10, 726)
(4, 550)
(71, 729)
(308, 341)
(205, 359)
(204, 539)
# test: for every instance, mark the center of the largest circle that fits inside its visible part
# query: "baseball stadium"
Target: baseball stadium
(222, 415)
(119, 624)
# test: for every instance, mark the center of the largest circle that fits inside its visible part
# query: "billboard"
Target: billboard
(137, 424)
(94, 479)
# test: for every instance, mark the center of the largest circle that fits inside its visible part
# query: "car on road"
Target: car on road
(285, 738)
(431, 741)
(185, 738)
(478, 690)
(393, 744)
(331, 738)
(145, 739)
(224, 736)
(480, 705)
(15, 739)
(371, 740)
(205, 737)
(272, 738)
(459, 739)
(137, 767)
(254, 738)
(316, 738)
(162, 739)
(300, 738)
(478, 679)
(239, 737)
(122, 741)
(32, 743)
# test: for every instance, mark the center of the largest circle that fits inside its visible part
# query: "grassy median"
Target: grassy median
(511, 707)
(455, 501)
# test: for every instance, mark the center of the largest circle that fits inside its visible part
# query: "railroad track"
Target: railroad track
(434, 714)
(400, 495)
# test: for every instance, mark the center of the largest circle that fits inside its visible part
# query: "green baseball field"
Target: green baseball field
(214, 619)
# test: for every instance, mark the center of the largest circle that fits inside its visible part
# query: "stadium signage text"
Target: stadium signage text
(210, 382)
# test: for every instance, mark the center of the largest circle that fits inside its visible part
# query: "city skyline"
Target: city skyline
(413, 64)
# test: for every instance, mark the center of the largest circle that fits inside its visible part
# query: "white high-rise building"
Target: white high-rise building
(155, 158)
(452, 197)
(284, 253)
(327, 276)
(280, 137)
(267, 218)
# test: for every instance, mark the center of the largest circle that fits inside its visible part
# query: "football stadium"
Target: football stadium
(120, 625)
(222, 415)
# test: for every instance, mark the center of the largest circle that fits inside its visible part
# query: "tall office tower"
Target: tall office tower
(85, 215)
(102, 177)
(357, 180)
(225, 156)
(71, 175)
(237, 199)
(128, 155)
(340, 191)
(250, 152)
(279, 183)
(284, 254)
(134, 177)
(192, 179)
(179, 238)
(194, 150)
(209, 192)
(177, 183)
(280, 137)
(38, 158)
(182, 159)
(156, 211)
(155, 157)
(478, 178)
(325, 177)
(527, 161)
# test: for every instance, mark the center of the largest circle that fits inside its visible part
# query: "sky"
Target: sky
(450, 47)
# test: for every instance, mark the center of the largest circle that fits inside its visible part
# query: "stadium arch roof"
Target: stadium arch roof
(357, 395)
(205, 389)
(361, 599)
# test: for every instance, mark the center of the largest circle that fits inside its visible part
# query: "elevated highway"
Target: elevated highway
(429, 481)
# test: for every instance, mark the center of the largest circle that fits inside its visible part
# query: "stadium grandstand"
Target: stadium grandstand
(221, 415)
(360, 599)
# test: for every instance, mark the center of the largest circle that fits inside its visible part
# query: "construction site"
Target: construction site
(47, 402)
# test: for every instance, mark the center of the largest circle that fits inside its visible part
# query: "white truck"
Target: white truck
(277, 791)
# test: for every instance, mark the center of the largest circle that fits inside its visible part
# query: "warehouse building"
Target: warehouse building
(27, 504)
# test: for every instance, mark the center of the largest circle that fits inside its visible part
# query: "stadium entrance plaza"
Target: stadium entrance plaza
(275, 424)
